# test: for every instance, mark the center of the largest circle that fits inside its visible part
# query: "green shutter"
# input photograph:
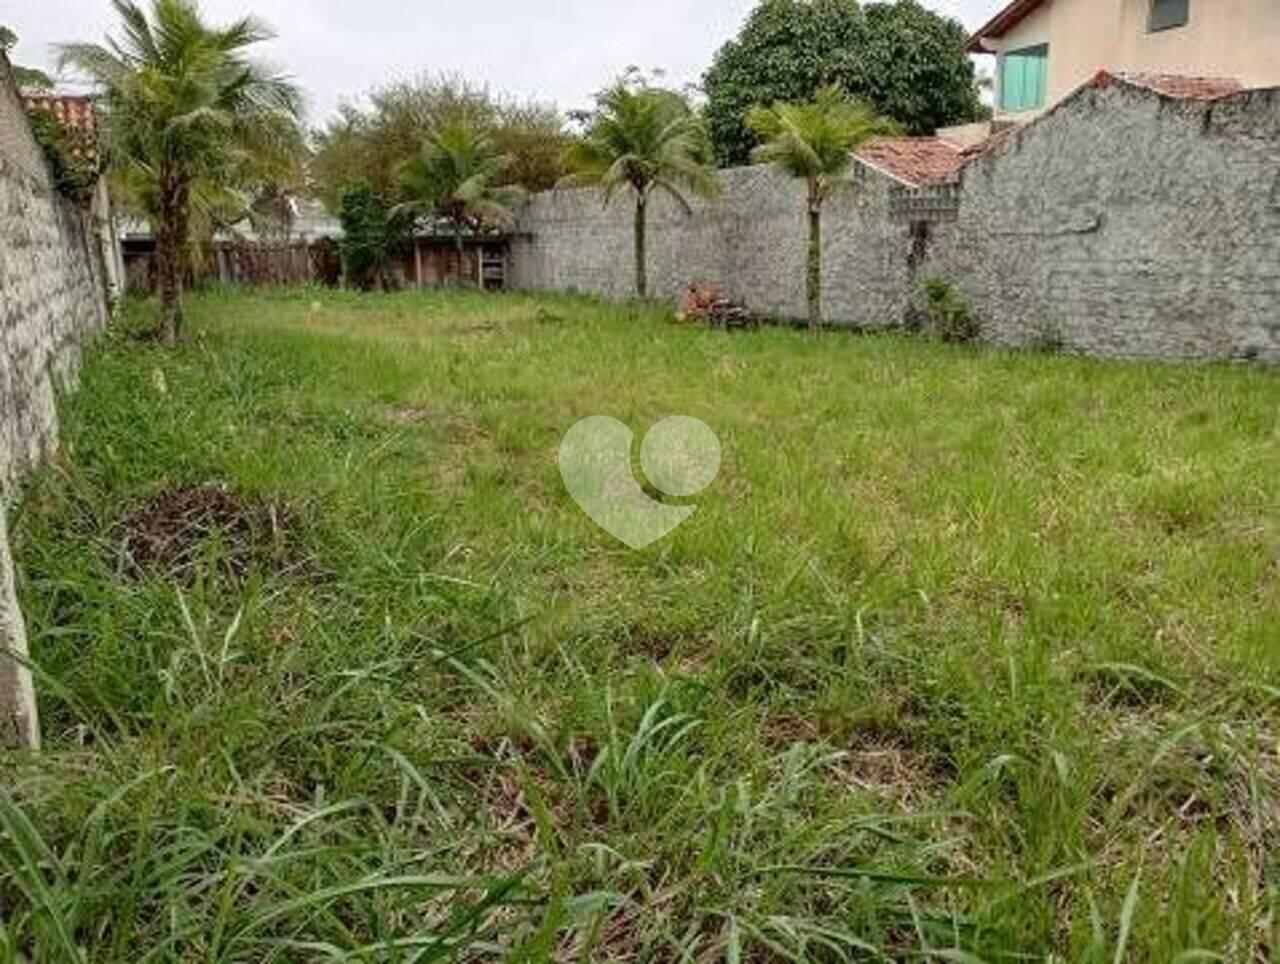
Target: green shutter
(1024, 79)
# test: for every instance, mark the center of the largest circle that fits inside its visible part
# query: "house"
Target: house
(1045, 49)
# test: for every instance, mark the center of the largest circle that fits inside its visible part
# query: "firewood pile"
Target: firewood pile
(704, 301)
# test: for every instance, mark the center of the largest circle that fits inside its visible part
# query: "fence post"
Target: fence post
(19, 719)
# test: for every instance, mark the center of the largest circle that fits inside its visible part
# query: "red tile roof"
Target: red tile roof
(74, 112)
(1185, 88)
(916, 160)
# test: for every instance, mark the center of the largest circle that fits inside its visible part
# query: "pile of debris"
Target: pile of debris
(704, 301)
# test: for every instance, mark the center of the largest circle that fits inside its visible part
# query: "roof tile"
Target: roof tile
(916, 160)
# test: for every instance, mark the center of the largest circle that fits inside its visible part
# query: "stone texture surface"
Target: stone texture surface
(51, 297)
(1123, 223)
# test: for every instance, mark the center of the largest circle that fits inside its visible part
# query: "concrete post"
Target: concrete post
(19, 720)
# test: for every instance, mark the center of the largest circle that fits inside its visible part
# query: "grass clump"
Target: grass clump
(965, 652)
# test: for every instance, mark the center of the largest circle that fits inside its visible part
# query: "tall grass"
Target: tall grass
(967, 655)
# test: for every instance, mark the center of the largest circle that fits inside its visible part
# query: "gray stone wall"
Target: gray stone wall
(751, 241)
(1128, 224)
(1123, 223)
(51, 297)
(51, 292)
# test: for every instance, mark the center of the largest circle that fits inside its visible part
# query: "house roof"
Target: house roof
(923, 161)
(74, 112)
(916, 161)
(1002, 23)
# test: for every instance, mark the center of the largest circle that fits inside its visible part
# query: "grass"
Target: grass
(967, 655)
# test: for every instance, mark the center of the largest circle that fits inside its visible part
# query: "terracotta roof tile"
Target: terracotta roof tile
(1185, 88)
(916, 160)
(75, 113)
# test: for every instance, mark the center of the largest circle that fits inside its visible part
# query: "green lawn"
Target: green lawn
(967, 655)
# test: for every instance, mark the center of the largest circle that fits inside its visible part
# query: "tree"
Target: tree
(22, 76)
(908, 63)
(369, 145)
(645, 140)
(373, 233)
(184, 108)
(815, 141)
(455, 176)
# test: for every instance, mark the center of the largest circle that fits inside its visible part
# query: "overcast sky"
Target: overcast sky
(554, 50)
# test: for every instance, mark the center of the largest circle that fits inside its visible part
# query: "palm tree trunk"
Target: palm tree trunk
(642, 270)
(171, 246)
(461, 280)
(813, 278)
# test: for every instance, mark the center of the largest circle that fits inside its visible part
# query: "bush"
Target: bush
(373, 237)
(950, 316)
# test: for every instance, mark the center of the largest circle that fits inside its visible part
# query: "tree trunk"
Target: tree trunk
(642, 270)
(813, 286)
(171, 249)
(461, 253)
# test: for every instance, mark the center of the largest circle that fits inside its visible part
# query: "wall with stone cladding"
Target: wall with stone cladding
(1123, 223)
(751, 241)
(51, 297)
(1128, 224)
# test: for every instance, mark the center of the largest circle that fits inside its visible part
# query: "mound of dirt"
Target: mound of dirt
(178, 529)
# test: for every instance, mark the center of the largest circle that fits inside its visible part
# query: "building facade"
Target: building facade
(1045, 49)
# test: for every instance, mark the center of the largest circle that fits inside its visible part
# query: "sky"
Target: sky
(559, 51)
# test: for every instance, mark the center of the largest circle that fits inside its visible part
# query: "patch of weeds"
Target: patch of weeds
(175, 531)
(950, 315)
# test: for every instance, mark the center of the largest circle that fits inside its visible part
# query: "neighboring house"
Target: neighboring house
(1045, 49)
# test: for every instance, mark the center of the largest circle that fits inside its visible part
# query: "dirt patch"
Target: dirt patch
(405, 414)
(178, 529)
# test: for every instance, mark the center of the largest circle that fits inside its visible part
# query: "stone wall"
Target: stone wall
(1123, 223)
(1128, 224)
(751, 241)
(51, 297)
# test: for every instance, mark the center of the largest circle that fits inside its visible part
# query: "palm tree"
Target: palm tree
(454, 176)
(647, 140)
(184, 108)
(816, 142)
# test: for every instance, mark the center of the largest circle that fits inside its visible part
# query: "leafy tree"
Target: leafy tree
(185, 111)
(907, 62)
(455, 176)
(815, 142)
(645, 140)
(374, 234)
(368, 146)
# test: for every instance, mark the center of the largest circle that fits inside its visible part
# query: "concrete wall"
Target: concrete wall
(751, 241)
(1122, 223)
(51, 297)
(1128, 224)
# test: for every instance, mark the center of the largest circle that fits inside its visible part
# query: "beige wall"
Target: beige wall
(1225, 38)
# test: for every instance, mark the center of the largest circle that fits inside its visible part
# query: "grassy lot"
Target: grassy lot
(967, 655)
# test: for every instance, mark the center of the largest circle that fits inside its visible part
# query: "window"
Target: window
(1166, 14)
(1024, 78)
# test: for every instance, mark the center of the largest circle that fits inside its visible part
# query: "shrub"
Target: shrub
(950, 315)
(373, 237)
